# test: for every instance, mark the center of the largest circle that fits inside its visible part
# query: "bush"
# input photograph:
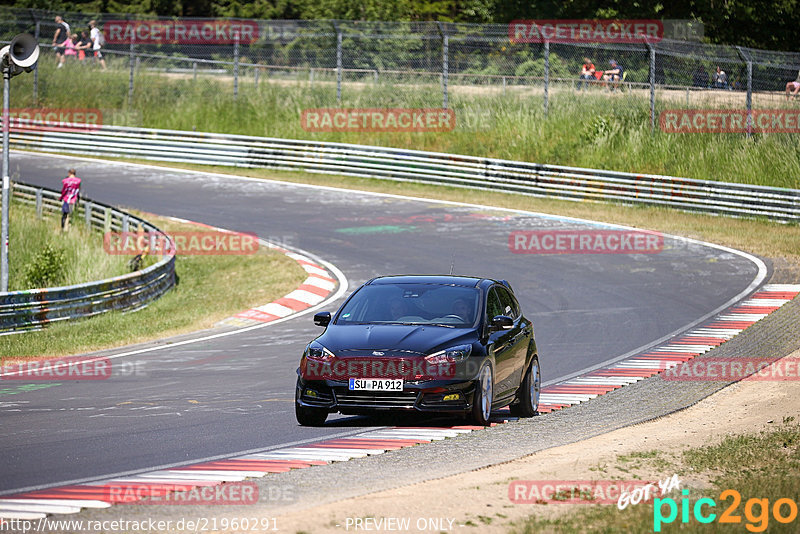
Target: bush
(47, 268)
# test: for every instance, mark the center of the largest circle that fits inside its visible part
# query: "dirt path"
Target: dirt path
(478, 501)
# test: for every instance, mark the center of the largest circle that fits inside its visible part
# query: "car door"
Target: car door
(502, 345)
(518, 341)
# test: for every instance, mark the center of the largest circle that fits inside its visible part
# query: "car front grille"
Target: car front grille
(375, 399)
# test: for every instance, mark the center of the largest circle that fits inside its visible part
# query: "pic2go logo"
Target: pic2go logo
(756, 511)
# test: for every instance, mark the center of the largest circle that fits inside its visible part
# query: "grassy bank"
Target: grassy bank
(211, 288)
(761, 466)
(595, 129)
(40, 254)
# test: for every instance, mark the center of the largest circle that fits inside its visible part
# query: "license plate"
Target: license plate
(376, 384)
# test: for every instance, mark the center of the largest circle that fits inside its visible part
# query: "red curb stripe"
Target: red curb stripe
(315, 289)
(263, 468)
(235, 463)
(378, 446)
(601, 390)
(388, 441)
(700, 340)
(257, 315)
(295, 305)
(775, 295)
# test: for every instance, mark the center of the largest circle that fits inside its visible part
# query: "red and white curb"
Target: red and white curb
(319, 285)
(37, 504)
(70, 499)
(316, 288)
(680, 349)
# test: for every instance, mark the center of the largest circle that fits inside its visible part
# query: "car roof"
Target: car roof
(465, 281)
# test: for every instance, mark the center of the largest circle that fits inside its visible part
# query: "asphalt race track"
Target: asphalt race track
(231, 394)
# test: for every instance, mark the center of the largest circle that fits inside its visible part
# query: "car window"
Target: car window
(408, 303)
(507, 303)
(493, 306)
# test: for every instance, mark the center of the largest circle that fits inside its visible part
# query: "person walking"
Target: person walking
(61, 35)
(70, 192)
(97, 42)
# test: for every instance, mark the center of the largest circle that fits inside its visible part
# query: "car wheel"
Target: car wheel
(483, 397)
(308, 416)
(527, 404)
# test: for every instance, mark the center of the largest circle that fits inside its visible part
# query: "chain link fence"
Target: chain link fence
(417, 64)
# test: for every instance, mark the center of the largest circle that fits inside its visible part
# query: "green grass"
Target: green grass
(211, 288)
(758, 466)
(595, 129)
(84, 257)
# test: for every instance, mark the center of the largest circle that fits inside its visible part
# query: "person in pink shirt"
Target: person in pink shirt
(70, 47)
(70, 192)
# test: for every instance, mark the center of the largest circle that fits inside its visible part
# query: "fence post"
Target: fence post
(546, 76)
(235, 65)
(255, 77)
(652, 85)
(133, 65)
(311, 77)
(36, 69)
(194, 70)
(445, 62)
(87, 213)
(749, 102)
(338, 63)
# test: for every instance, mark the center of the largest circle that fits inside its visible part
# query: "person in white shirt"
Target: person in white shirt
(97, 42)
(793, 87)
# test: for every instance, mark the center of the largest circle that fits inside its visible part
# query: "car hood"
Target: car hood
(418, 339)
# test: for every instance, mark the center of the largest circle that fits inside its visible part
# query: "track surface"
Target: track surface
(232, 394)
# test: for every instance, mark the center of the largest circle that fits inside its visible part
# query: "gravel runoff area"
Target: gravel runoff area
(285, 494)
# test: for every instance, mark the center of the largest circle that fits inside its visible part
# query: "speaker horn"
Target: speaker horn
(24, 50)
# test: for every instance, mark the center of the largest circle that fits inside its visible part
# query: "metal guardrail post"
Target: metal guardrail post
(87, 213)
(107, 220)
(546, 75)
(125, 223)
(38, 203)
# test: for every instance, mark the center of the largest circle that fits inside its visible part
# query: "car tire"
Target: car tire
(527, 404)
(483, 396)
(307, 416)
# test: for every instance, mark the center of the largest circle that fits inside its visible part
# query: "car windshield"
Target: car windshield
(423, 304)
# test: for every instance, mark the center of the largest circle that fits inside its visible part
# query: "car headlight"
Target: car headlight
(455, 354)
(315, 351)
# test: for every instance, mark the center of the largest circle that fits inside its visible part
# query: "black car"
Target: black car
(449, 344)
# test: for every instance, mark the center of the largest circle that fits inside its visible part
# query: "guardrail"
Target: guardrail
(34, 308)
(553, 181)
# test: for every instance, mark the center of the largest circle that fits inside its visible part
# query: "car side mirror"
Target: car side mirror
(322, 318)
(501, 322)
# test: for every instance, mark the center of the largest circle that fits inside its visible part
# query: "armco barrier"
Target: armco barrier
(535, 179)
(35, 308)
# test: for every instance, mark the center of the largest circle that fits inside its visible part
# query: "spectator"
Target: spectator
(97, 42)
(720, 79)
(61, 35)
(70, 48)
(84, 45)
(793, 87)
(70, 192)
(613, 74)
(587, 73)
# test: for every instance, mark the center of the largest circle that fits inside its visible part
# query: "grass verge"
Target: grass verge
(76, 256)
(593, 129)
(210, 289)
(761, 467)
